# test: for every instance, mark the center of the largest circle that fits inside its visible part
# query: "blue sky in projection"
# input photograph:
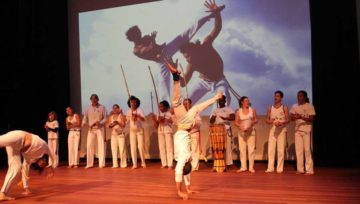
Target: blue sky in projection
(265, 46)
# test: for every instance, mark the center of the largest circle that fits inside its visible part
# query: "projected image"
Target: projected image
(246, 47)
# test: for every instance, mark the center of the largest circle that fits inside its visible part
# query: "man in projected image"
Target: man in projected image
(145, 47)
(203, 58)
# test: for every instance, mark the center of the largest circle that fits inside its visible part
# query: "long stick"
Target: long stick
(186, 89)
(152, 105)
(126, 85)
(156, 94)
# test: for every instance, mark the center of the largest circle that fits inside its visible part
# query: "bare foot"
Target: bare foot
(3, 197)
(192, 192)
(26, 192)
(184, 196)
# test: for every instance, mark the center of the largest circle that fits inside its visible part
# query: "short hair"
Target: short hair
(136, 100)
(94, 95)
(280, 93)
(35, 166)
(132, 33)
(187, 168)
(187, 99)
(116, 105)
(165, 104)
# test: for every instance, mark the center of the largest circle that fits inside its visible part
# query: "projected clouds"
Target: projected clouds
(265, 46)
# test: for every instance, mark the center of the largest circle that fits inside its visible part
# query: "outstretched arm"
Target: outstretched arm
(211, 5)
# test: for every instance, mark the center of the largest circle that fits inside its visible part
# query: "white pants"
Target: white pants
(94, 134)
(137, 136)
(302, 145)
(201, 87)
(228, 153)
(182, 155)
(247, 139)
(54, 148)
(13, 144)
(73, 147)
(277, 138)
(169, 50)
(118, 147)
(195, 150)
(166, 148)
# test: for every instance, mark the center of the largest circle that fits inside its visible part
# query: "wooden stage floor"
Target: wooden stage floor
(156, 185)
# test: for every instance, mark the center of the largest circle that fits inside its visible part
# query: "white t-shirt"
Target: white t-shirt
(165, 127)
(36, 150)
(305, 110)
(95, 114)
(197, 124)
(138, 123)
(52, 124)
(223, 112)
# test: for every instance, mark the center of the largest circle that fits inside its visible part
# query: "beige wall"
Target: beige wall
(152, 149)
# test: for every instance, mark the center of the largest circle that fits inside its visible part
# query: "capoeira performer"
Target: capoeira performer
(185, 121)
(145, 47)
(164, 122)
(278, 117)
(95, 116)
(223, 115)
(204, 59)
(135, 116)
(52, 127)
(117, 122)
(303, 113)
(195, 140)
(73, 124)
(32, 148)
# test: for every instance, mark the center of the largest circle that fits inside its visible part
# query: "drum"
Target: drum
(218, 138)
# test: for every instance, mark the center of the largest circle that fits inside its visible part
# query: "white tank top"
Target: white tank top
(246, 120)
(72, 121)
(116, 130)
(278, 115)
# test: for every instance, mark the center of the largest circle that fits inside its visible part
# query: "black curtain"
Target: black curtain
(34, 77)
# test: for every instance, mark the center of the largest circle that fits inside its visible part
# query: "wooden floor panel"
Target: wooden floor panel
(156, 185)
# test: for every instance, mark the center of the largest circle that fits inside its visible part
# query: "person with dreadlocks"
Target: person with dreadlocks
(32, 148)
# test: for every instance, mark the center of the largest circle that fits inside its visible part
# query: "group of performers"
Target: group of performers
(184, 145)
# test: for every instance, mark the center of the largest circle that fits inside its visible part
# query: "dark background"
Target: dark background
(34, 74)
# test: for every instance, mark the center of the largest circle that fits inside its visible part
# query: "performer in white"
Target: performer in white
(73, 124)
(223, 115)
(164, 122)
(245, 119)
(52, 128)
(95, 117)
(185, 121)
(32, 148)
(278, 118)
(195, 139)
(146, 47)
(303, 113)
(135, 116)
(117, 122)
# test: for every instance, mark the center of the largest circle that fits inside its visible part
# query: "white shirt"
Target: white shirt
(246, 120)
(72, 121)
(165, 127)
(138, 123)
(36, 150)
(223, 112)
(305, 110)
(116, 130)
(95, 114)
(197, 124)
(278, 115)
(52, 124)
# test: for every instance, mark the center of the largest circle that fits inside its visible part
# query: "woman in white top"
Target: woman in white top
(117, 123)
(52, 127)
(303, 113)
(73, 124)
(136, 117)
(164, 122)
(245, 119)
(278, 118)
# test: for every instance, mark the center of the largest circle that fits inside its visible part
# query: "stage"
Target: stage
(156, 185)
